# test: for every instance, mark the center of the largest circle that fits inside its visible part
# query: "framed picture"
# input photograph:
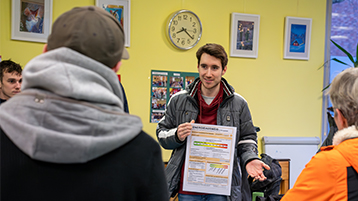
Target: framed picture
(120, 9)
(244, 35)
(31, 20)
(297, 38)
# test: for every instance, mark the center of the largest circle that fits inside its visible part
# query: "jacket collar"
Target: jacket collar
(345, 134)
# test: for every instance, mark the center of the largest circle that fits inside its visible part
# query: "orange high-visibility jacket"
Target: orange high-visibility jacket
(330, 175)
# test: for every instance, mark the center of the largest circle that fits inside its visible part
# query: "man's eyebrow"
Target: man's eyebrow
(12, 79)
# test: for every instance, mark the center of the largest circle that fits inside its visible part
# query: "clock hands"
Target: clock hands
(188, 34)
(182, 29)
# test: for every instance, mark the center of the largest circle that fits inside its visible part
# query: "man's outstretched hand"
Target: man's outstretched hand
(255, 169)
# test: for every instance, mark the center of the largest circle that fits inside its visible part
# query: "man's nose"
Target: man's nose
(18, 84)
(208, 72)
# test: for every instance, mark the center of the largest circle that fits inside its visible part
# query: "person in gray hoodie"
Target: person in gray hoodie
(66, 136)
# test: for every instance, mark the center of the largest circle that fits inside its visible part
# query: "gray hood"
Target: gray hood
(70, 110)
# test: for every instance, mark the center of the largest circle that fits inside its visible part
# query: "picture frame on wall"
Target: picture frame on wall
(245, 30)
(297, 38)
(120, 9)
(31, 20)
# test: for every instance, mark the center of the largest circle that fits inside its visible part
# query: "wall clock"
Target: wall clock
(184, 29)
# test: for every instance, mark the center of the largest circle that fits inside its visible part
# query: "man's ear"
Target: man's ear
(340, 120)
(224, 71)
(116, 68)
(45, 48)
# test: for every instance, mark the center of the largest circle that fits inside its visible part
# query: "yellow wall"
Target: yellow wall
(284, 95)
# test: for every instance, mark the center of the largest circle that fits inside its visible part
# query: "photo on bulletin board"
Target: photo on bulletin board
(120, 9)
(189, 80)
(159, 80)
(159, 92)
(31, 20)
(173, 91)
(244, 35)
(164, 84)
(176, 82)
(297, 38)
(156, 116)
(158, 104)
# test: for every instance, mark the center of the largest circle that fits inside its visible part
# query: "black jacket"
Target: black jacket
(132, 172)
(233, 111)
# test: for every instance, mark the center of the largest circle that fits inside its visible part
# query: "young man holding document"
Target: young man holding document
(210, 100)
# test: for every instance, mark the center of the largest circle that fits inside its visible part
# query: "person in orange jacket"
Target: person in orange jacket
(332, 173)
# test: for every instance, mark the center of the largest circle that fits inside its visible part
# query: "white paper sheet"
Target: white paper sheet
(209, 159)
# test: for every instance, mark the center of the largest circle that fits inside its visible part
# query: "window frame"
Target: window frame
(326, 73)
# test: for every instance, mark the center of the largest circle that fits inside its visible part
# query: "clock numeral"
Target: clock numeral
(191, 19)
(175, 22)
(179, 18)
(178, 40)
(194, 30)
(183, 42)
(185, 17)
(173, 28)
(174, 35)
(188, 41)
(194, 24)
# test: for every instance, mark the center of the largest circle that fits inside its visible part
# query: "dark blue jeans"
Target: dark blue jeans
(209, 197)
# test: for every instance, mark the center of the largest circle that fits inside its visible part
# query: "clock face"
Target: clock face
(184, 29)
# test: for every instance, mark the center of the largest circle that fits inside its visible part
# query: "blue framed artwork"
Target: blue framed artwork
(297, 38)
(120, 9)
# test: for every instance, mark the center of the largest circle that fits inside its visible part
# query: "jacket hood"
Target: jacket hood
(70, 110)
(346, 141)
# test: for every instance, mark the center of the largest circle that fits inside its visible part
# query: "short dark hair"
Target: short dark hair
(8, 66)
(214, 50)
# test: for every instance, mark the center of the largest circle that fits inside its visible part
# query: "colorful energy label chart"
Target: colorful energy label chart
(209, 159)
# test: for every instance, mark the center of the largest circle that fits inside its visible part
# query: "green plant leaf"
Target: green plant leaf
(324, 64)
(339, 61)
(345, 51)
(356, 63)
(326, 87)
(357, 53)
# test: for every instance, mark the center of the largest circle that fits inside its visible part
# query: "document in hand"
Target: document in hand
(209, 159)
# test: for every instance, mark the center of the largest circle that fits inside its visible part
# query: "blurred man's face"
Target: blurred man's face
(10, 85)
(210, 73)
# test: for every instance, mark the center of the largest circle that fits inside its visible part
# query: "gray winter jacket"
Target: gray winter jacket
(70, 110)
(233, 111)
(66, 137)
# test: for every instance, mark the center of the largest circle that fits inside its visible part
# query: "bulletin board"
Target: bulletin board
(164, 84)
